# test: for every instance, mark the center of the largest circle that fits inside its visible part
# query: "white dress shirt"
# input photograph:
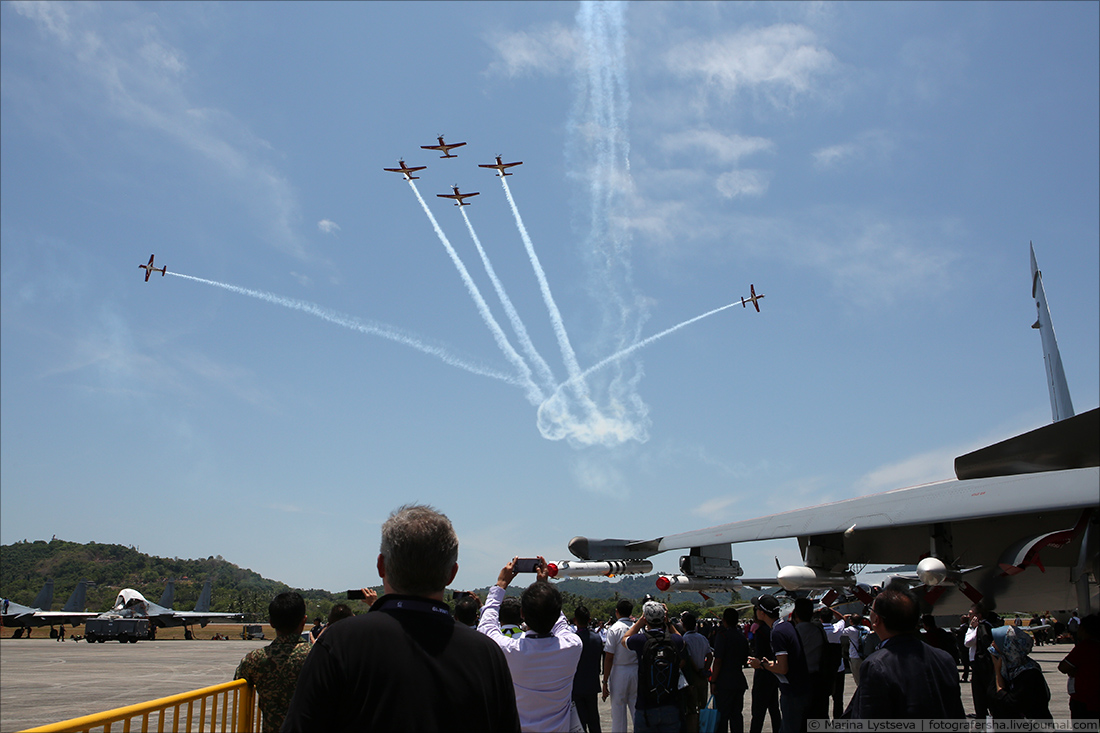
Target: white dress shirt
(542, 667)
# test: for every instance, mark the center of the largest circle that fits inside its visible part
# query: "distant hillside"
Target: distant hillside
(25, 566)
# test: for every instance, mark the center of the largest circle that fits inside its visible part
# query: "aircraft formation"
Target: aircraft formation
(1017, 528)
(129, 603)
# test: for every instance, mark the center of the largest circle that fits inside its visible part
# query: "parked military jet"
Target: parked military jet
(26, 617)
(132, 603)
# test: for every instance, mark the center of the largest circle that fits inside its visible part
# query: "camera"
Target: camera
(526, 565)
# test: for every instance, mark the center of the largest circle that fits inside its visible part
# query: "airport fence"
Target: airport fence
(231, 707)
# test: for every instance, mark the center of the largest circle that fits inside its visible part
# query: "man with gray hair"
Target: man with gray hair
(406, 665)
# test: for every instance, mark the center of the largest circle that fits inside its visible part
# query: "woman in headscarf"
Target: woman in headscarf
(1020, 689)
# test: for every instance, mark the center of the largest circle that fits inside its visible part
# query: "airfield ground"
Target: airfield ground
(44, 681)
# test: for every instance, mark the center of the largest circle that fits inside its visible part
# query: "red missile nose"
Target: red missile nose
(663, 583)
(552, 570)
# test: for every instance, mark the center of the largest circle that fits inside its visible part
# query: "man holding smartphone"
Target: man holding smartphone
(544, 660)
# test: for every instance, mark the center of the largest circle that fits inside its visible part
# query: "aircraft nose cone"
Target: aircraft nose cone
(579, 547)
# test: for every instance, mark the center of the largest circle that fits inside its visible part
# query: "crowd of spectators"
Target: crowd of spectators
(519, 664)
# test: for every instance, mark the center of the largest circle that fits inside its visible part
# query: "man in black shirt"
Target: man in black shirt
(406, 665)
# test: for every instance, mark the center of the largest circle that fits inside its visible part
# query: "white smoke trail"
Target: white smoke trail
(517, 323)
(534, 394)
(568, 355)
(597, 157)
(553, 414)
(374, 329)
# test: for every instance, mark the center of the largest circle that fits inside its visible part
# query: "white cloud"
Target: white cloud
(549, 50)
(727, 149)
(871, 145)
(743, 183)
(134, 75)
(328, 227)
(782, 61)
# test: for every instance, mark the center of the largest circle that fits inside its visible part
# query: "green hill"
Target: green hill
(25, 566)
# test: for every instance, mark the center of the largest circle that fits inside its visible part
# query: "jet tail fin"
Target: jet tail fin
(44, 599)
(203, 604)
(1060, 404)
(77, 602)
(169, 596)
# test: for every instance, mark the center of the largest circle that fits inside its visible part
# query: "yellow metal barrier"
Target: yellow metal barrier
(231, 707)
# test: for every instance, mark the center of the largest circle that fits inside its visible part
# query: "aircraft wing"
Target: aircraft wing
(187, 618)
(54, 618)
(19, 615)
(918, 506)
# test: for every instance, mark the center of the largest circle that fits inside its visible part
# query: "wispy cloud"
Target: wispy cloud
(780, 62)
(743, 183)
(137, 76)
(548, 50)
(871, 145)
(328, 227)
(714, 146)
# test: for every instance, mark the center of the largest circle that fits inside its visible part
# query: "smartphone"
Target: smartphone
(526, 564)
(356, 595)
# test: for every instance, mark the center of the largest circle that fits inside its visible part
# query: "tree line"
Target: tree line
(25, 566)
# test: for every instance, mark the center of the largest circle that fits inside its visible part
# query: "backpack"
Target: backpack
(861, 649)
(658, 671)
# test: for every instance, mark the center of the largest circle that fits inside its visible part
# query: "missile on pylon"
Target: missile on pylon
(573, 569)
(686, 582)
(797, 577)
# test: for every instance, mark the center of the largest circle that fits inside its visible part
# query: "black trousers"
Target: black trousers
(588, 711)
(765, 701)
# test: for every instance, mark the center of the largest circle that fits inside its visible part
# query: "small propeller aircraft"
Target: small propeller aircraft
(444, 147)
(149, 269)
(752, 299)
(457, 196)
(407, 170)
(500, 166)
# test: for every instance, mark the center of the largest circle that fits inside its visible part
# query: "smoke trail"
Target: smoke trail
(374, 329)
(597, 158)
(567, 353)
(517, 323)
(553, 417)
(534, 394)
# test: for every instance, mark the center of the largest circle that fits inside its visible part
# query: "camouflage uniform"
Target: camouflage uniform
(273, 672)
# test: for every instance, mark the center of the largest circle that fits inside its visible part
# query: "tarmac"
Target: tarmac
(44, 681)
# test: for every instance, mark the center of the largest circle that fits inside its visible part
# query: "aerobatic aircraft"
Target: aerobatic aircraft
(26, 617)
(500, 165)
(1017, 528)
(752, 298)
(149, 269)
(407, 170)
(445, 147)
(457, 196)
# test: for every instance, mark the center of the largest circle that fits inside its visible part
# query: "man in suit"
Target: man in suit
(905, 678)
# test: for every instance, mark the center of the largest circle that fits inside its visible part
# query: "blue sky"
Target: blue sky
(877, 170)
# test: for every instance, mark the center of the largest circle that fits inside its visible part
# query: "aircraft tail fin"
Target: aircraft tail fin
(169, 596)
(77, 602)
(1060, 404)
(44, 599)
(203, 604)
